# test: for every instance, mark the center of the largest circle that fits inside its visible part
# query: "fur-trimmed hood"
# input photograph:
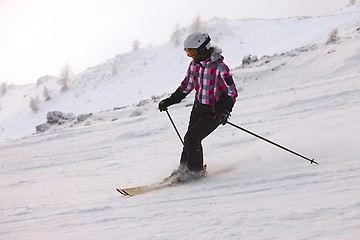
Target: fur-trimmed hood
(216, 54)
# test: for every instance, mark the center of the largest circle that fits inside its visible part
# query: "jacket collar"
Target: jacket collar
(215, 56)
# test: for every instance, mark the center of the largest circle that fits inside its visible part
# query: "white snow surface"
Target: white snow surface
(304, 94)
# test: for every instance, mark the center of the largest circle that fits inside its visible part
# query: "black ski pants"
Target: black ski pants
(200, 126)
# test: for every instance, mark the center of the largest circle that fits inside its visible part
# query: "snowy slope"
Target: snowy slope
(61, 184)
(137, 76)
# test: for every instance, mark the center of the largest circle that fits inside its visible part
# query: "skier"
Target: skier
(214, 99)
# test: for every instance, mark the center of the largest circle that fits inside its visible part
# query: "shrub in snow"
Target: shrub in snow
(333, 37)
(64, 77)
(34, 104)
(3, 88)
(176, 37)
(46, 94)
(197, 25)
(352, 2)
(136, 44)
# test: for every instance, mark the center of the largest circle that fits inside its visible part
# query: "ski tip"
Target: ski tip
(123, 192)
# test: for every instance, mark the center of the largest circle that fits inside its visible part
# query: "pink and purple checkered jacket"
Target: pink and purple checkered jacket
(211, 79)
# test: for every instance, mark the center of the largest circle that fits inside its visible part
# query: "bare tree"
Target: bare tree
(136, 44)
(34, 104)
(352, 2)
(176, 36)
(3, 88)
(333, 37)
(65, 75)
(46, 94)
(197, 25)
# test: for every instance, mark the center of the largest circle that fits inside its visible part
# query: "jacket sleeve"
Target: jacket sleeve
(227, 100)
(226, 103)
(186, 86)
(176, 97)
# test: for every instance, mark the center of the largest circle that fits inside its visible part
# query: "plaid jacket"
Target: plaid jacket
(211, 79)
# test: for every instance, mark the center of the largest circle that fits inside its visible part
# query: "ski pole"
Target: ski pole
(174, 126)
(262, 138)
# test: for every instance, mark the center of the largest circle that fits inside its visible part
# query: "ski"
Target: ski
(167, 182)
(133, 191)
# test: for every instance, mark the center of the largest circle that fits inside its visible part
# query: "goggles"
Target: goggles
(190, 52)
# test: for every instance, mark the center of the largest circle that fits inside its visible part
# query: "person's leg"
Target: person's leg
(193, 150)
(194, 117)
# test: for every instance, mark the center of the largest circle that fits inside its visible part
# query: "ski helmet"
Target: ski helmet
(197, 41)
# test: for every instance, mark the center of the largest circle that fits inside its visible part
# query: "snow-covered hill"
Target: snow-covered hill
(304, 94)
(134, 76)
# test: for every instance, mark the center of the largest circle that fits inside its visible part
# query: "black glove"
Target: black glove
(176, 97)
(224, 116)
(224, 107)
(163, 105)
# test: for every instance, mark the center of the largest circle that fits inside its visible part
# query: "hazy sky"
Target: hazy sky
(37, 37)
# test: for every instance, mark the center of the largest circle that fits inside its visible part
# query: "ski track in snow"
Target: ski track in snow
(61, 184)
